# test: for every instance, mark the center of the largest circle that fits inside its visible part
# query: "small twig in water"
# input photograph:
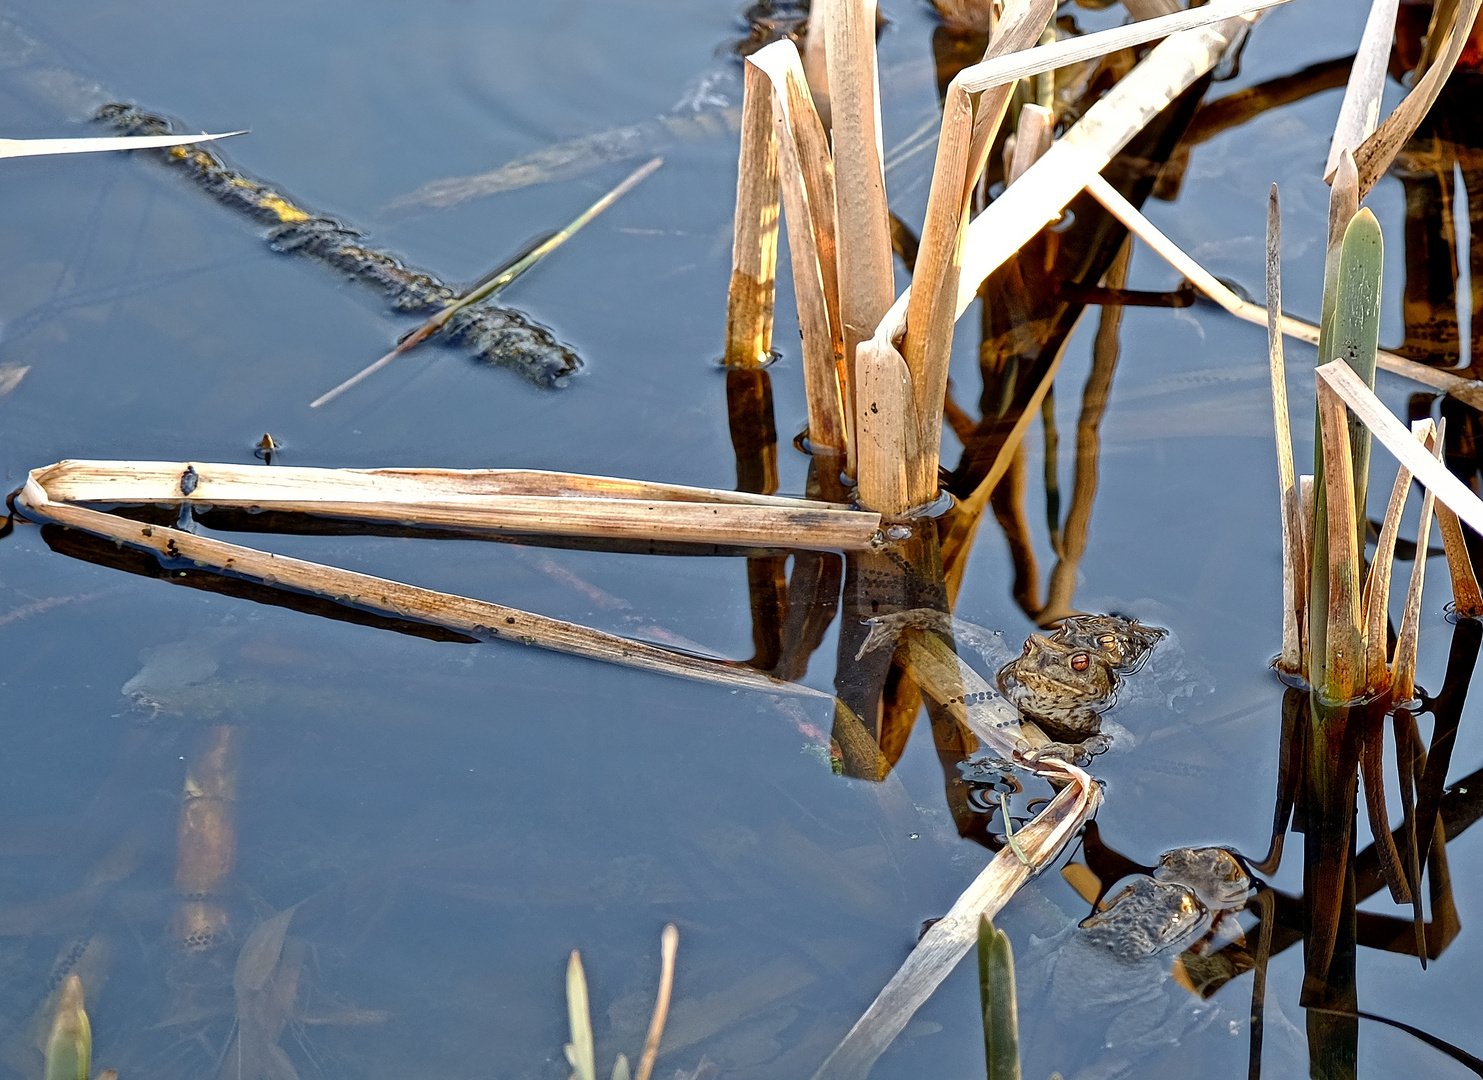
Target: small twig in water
(1014, 845)
(494, 281)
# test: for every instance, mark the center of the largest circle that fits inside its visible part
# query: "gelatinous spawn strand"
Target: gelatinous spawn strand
(495, 335)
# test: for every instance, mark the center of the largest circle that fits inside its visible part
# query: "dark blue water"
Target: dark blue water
(457, 818)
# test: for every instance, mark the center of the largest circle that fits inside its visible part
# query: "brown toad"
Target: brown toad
(1062, 686)
(1189, 890)
(1124, 643)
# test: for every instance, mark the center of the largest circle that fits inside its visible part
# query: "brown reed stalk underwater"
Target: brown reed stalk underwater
(876, 540)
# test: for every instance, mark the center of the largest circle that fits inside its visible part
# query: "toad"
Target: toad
(1189, 888)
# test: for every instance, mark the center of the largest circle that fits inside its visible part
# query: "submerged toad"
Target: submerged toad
(1188, 890)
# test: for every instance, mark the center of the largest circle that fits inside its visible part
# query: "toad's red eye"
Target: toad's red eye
(1080, 662)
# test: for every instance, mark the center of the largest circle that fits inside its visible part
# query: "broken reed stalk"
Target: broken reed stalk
(1466, 596)
(1464, 389)
(1294, 555)
(806, 173)
(1360, 111)
(1403, 665)
(886, 431)
(947, 941)
(1033, 135)
(477, 618)
(866, 281)
(541, 503)
(754, 250)
(492, 283)
(669, 944)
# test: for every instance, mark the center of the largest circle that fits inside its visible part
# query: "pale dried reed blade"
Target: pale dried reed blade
(1010, 66)
(1377, 585)
(866, 282)
(886, 429)
(1384, 426)
(754, 251)
(1466, 597)
(77, 480)
(807, 176)
(1444, 14)
(579, 1015)
(1294, 566)
(1344, 653)
(476, 618)
(1032, 138)
(949, 939)
(1466, 390)
(1360, 112)
(1305, 507)
(1377, 152)
(1403, 666)
(669, 945)
(1022, 25)
(816, 66)
(12, 148)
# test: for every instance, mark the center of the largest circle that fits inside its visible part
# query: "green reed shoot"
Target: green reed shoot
(69, 1048)
(1000, 1006)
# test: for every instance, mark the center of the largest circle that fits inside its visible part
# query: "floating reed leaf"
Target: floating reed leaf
(11, 148)
(806, 171)
(69, 1047)
(579, 1052)
(1403, 665)
(1464, 389)
(754, 249)
(1294, 555)
(492, 283)
(1000, 1004)
(1377, 152)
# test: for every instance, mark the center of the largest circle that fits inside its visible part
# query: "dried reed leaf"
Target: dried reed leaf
(549, 503)
(754, 250)
(1464, 389)
(1294, 556)
(816, 66)
(1343, 205)
(669, 945)
(12, 148)
(949, 939)
(1360, 112)
(1403, 665)
(1377, 152)
(1466, 598)
(477, 618)
(866, 276)
(886, 429)
(1383, 425)
(1305, 505)
(1032, 138)
(1343, 656)
(807, 175)
(1011, 66)
(1377, 584)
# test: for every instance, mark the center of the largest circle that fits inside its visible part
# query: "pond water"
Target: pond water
(455, 818)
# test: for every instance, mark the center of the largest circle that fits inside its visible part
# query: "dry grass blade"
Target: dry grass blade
(669, 944)
(886, 435)
(1403, 665)
(1343, 652)
(1467, 390)
(866, 276)
(1294, 556)
(950, 938)
(471, 500)
(477, 618)
(1021, 64)
(12, 148)
(1382, 423)
(1377, 152)
(1377, 585)
(1360, 111)
(806, 172)
(754, 247)
(492, 283)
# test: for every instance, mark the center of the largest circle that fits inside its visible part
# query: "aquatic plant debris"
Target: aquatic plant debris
(13, 148)
(495, 335)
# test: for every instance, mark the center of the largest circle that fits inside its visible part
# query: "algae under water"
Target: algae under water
(454, 818)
